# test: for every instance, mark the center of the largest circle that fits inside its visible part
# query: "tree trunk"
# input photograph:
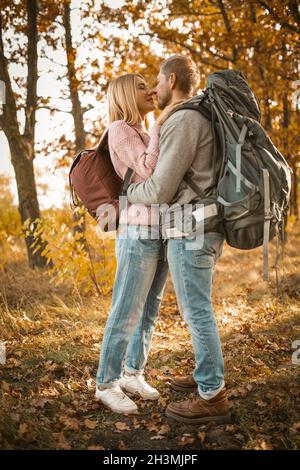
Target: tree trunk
(28, 202)
(22, 146)
(77, 111)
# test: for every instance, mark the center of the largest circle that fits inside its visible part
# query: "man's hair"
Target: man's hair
(186, 71)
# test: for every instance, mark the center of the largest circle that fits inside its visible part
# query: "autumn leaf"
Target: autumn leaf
(230, 427)
(15, 417)
(90, 384)
(90, 424)
(96, 448)
(5, 387)
(186, 439)
(152, 426)
(265, 445)
(39, 402)
(261, 403)
(163, 402)
(136, 424)
(120, 426)
(23, 428)
(62, 442)
(14, 362)
(165, 428)
(295, 428)
(154, 372)
(70, 423)
(122, 446)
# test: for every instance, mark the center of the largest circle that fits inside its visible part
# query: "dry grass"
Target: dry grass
(52, 339)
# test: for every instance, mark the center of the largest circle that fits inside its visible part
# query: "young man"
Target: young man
(186, 147)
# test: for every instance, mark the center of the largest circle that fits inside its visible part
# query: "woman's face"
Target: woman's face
(144, 97)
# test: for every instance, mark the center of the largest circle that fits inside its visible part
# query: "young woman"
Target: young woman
(141, 269)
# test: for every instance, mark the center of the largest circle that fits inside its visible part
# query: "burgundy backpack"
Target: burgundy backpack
(93, 179)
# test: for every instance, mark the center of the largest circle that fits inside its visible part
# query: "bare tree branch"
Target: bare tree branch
(52, 60)
(228, 28)
(57, 110)
(52, 109)
(279, 20)
(185, 46)
(294, 7)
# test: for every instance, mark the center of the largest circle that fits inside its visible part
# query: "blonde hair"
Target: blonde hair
(121, 97)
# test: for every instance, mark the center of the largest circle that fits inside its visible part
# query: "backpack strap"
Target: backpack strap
(73, 196)
(211, 116)
(196, 107)
(238, 156)
(277, 260)
(126, 182)
(280, 240)
(267, 222)
(241, 134)
(194, 187)
(124, 187)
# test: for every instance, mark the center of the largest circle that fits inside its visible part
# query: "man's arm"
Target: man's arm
(178, 146)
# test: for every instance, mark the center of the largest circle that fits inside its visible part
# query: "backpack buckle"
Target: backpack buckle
(268, 215)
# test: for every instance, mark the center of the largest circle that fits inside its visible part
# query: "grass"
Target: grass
(53, 340)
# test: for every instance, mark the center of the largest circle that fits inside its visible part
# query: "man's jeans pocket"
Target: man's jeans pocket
(213, 242)
(211, 250)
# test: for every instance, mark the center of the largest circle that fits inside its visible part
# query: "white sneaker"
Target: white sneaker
(116, 400)
(137, 385)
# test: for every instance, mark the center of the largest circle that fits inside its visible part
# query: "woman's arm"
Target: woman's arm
(131, 150)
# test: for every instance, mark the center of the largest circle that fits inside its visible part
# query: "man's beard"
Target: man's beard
(164, 101)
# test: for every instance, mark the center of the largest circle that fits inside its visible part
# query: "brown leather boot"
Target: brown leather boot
(184, 383)
(200, 411)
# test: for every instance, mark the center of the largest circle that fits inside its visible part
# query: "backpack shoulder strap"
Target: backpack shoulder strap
(73, 197)
(199, 106)
(126, 182)
(194, 187)
(209, 114)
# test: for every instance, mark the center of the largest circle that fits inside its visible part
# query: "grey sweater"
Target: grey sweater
(186, 146)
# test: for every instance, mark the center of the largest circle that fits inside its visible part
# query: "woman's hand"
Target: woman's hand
(167, 111)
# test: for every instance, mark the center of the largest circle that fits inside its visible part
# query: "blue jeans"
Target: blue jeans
(138, 290)
(192, 274)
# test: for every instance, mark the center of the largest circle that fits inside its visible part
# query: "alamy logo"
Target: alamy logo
(2, 96)
(2, 353)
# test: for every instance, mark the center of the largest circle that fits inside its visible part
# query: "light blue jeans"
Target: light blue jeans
(138, 290)
(192, 274)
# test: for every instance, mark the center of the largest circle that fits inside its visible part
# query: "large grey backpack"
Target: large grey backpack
(252, 189)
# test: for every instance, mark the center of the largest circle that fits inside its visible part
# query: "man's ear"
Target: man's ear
(172, 81)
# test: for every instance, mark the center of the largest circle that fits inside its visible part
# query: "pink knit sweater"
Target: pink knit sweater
(132, 147)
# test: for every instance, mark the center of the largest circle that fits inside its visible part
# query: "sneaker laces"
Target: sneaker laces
(131, 376)
(144, 382)
(142, 379)
(118, 392)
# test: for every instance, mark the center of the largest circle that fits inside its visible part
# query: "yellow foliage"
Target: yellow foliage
(10, 223)
(82, 260)
(86, 262)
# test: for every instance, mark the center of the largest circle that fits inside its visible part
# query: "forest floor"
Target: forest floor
(52, 344)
